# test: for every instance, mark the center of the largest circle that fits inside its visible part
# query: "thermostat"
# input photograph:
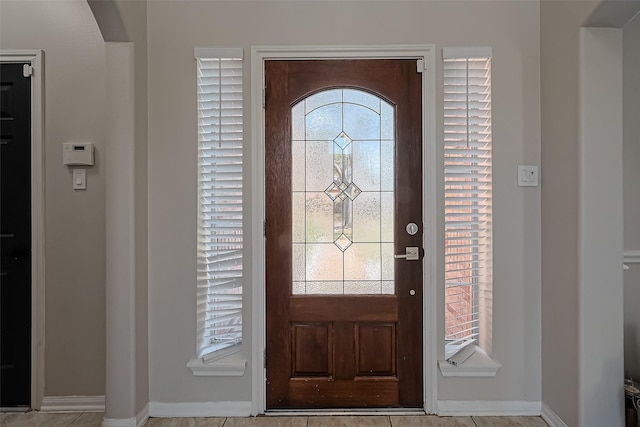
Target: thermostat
(77, 153)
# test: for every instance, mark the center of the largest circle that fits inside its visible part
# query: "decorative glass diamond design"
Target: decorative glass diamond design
(352, 191)
(343, 242)
(342, 191)
(342, 140)
(342, 194)
(333, 191)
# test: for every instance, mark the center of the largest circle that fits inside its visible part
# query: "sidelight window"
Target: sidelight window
(468, 200)
(220, 221)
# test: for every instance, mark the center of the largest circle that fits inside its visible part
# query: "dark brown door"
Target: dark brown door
(343, 181)
(15, 233)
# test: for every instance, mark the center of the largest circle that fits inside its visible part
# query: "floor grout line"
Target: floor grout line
(75, 419)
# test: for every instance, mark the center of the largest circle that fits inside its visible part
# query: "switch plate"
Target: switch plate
(527, 176)
(79, 179)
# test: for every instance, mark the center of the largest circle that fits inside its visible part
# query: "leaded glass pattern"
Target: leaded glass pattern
(342, 194)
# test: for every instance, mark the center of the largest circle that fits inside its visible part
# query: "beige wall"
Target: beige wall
(559, 27)
(175, 28)
(75, 220)
(631, 170)
(75, 236)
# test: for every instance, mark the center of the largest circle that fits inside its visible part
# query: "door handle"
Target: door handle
(412, 253)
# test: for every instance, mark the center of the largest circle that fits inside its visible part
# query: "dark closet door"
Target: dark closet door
(15, 232)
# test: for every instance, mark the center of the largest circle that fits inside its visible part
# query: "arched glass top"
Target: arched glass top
(343, 144)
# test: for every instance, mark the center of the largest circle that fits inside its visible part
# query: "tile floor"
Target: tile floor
(94, 419)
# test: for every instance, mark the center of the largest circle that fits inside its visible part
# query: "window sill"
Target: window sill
(479, 364)
(229, 367)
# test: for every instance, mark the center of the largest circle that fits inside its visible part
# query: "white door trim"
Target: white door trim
(258, 56)
(36, 58)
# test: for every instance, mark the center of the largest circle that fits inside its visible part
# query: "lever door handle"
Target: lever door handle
(412, 253)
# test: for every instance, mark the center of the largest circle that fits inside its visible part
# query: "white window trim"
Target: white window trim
(227, 361)
(479, 364)
(430, 200)
(218, 368)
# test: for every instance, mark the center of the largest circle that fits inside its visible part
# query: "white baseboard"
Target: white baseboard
(142, 416)
(199, 409)
(72, 404)
(488, 408)
(139, 420)
(551, 417)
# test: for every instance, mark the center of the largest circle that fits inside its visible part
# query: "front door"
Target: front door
(15, 235)
(343, 203)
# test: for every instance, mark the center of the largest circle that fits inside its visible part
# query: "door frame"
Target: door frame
(36, 59)
(260, 54)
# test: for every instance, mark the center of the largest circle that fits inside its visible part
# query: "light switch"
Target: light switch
(527, 176)
(79, 179)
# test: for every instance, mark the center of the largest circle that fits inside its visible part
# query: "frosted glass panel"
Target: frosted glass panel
(298, 213)
(325, 288)
(298, 288)
(297, 122)
(387, 261)
(318, 165)
(298, 169)
(362, 287)
(298, 262)
(388, 287)
(362, 262)
(366, 217)
(387, 126)
(366, 165)
(319, 218)
(361, 123)
(342, 194)
(323, 262)
(321, 99)
(365, 99)
(386, 216)
(324, 123)
(386, 165)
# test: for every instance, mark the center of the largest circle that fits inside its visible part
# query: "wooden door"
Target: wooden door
(343, 181)
(15, 234)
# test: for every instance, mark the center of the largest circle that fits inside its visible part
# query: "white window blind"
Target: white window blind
(467, 176)
(220, 141)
